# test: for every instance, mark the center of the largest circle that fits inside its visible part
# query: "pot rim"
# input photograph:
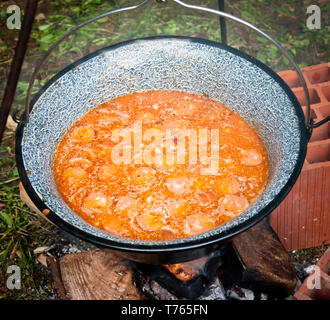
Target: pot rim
(189, 243)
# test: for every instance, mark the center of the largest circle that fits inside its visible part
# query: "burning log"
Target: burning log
(186, 280)
(254, 266)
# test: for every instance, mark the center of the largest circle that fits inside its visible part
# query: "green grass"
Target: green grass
(21, 231)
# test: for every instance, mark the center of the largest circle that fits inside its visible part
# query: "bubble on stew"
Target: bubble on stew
(160, 165)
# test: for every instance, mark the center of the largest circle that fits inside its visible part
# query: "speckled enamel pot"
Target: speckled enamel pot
(179, 63)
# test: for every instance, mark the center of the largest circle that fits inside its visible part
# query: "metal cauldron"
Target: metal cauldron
(199, 66)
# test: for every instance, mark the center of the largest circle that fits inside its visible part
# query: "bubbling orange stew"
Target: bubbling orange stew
(160, 165)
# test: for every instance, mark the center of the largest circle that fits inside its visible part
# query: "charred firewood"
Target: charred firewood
(182, 280)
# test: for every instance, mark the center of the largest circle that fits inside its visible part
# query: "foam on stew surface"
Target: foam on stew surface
(142, 166)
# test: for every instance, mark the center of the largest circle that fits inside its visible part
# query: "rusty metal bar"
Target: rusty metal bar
(16, 65)
(223, 28)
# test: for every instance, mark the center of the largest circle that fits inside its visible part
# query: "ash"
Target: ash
(65, 244)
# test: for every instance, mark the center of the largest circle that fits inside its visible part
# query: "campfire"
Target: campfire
(253, 266)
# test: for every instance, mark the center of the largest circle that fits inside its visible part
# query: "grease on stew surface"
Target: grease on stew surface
(159, 201)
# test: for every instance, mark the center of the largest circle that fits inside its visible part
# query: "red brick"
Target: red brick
(326, 92)
(302, 219)
(313, 96)
(318, 151)
(312, 112)
(324, 262)
(321, 133)
(301, 296)
(291, 78)
(317, 74)
(324, 111)
(322, 293)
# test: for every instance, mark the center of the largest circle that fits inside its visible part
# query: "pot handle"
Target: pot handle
(308, 121)
(55, 45)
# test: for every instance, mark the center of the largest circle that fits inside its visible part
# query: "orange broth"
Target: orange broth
(160, 200)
